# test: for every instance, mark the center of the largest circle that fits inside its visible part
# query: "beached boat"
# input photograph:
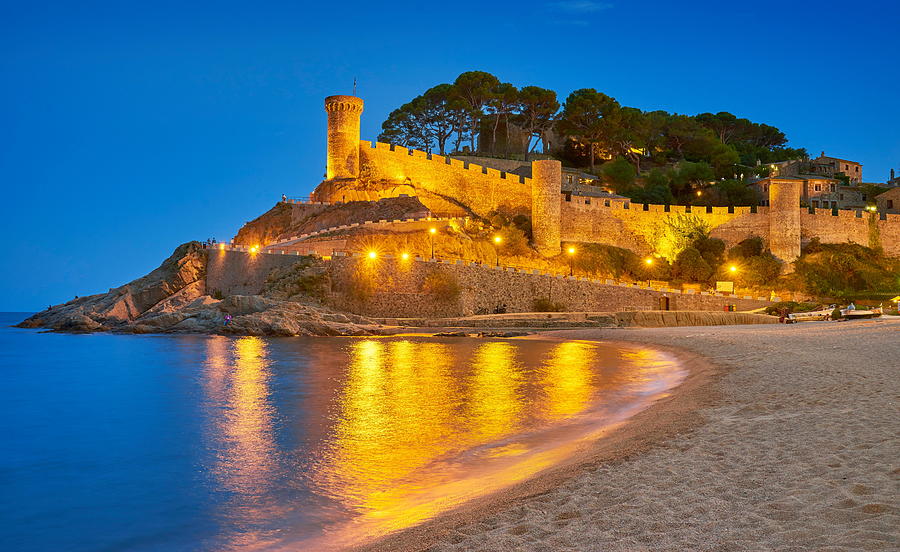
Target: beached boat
(821, 314)
(853, 314)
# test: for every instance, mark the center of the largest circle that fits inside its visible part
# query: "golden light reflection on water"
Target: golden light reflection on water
(410, 410)
(568, 379)
(392, 419)
(496, 401)
(237, 383)
(415, 428)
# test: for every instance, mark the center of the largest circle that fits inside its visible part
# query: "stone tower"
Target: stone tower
(546, 182)
(784, 218)
(343, 136)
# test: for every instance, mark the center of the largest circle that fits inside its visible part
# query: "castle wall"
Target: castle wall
(481, 189)
(889, 234)
(400, 295)
(846, 226)
(628, 225)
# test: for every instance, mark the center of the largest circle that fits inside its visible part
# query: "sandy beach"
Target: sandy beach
(782, 438)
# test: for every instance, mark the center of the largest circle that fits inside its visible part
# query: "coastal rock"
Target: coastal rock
(185, 269)
(172, 299)
(78, 323)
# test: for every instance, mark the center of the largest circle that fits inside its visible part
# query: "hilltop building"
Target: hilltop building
(834, 166)
(817, 192)
(889, 201)
(893, 181)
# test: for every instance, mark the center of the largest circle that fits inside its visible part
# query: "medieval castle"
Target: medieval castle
(361, 170)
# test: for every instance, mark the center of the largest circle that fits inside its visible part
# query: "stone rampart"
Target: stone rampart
(632, 226)
(398, 290)
(481, 189)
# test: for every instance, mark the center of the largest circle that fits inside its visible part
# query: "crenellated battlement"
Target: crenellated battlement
(364, 170)
(344, 103)
(443, 160)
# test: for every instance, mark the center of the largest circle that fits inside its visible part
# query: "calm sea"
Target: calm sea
(119, 442)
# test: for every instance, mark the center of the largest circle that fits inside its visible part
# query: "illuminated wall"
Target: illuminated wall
(452, 186)
(398, 291)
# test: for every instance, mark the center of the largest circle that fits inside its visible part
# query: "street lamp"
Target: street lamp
(497, 241)
(571, 252)
(732, 269)
(373, 254)
(431, 233)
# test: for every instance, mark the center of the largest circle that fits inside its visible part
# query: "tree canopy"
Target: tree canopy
(590, 126)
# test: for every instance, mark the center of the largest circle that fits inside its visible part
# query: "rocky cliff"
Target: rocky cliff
(172, 299)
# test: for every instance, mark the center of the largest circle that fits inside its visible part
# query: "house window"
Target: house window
(857, 168)
(890, 204)
(846, 167)
(568, 197)
(832, 187)
(815, 203)
(842, 197)
(818, 187)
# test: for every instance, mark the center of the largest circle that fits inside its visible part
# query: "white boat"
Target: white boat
(852, 314)
(821, 314)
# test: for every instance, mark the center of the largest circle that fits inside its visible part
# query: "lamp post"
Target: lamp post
(571, 252)
(497, 241)
(649, 262)
(431, 232)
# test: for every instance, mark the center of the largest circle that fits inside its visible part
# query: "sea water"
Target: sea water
(125, 442)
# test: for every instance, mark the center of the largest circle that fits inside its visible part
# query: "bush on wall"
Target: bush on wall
(442, 285)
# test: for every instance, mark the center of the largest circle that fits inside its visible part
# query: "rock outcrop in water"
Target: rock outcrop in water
(173, 299)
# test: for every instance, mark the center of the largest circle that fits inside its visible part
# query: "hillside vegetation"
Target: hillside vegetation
(845, 270)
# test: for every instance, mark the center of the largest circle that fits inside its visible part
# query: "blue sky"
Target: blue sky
(130, 128)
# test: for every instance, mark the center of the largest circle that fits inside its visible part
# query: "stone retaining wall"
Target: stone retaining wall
(398, 291)
(241, 273)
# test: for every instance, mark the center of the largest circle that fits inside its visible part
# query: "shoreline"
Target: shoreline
(780, 437)
(670, 415)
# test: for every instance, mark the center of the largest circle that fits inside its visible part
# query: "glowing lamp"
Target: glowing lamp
(497, 239)
(404, 256)
(571, 251)
(373, 255)
(221, 247)
(648, 260)
(433, 230)
(732, 268)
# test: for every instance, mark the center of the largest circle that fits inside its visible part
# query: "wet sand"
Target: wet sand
(781, 438)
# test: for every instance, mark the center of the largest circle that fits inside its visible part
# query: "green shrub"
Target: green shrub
(760, 270)
(442, 285)
(711, 249)
(543, 304)
(619, 173)
(836, 314)
(675, 233)
(846, 269)
(751, 247)
(690, 265)
(217, 294)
